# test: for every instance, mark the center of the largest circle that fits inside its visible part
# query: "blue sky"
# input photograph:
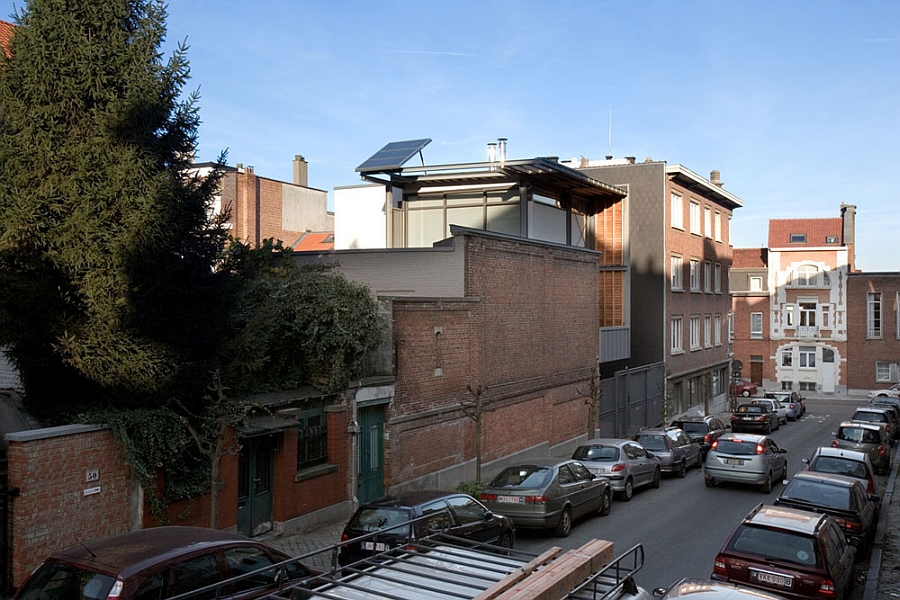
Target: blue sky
(797, 104)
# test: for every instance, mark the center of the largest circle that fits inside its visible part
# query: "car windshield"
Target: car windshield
(66, 582)
(818, 493)
(525, 476)
(736, 447)
(751, 408)
(840, 466)
(693, 427)
(652, 442)
(601, 453)
(774, 544)
(378, 518)
(858, 435)
(865, 415)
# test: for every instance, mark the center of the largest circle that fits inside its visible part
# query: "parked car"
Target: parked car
(891, 400)
(626, 464)
(702, 430)
(793, 408)
(888, 392)
(844, 498)
(674, 448)
(776, 407)
(745, 458)
(548, 494)
(849, 463)
(754, 417)
(873, 414)
(457, 514)
(707, 589)
(791, 552)
(870, 438)
(743, 387)
(161, 562)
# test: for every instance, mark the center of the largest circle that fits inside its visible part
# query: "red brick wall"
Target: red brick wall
(527, 331)
(862, 353)
(256, 206)
(50, 466)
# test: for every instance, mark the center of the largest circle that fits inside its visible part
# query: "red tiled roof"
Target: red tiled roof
(6, 33)
(816, 230)
(314, 241)
(749, 258)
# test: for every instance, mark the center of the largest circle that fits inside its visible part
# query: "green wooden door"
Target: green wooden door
(255, 472)
(371, 454)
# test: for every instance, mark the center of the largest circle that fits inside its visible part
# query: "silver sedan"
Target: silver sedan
(626, 464)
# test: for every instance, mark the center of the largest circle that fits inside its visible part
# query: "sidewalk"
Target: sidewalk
(882, 579)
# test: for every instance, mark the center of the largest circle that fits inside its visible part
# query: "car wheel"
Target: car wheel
(699, 462)
(768, 428)
(745, 393)
(766, 486)
(628, 492)
(505, 540)
(564, 527)
(654, 483)
(682, 469)
(606, 503)
(709, 481)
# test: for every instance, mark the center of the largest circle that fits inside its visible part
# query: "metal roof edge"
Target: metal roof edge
(676, 169)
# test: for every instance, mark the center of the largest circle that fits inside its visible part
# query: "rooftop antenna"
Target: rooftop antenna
(609, 142)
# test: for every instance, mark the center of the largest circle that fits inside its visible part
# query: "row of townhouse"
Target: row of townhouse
(805, 319)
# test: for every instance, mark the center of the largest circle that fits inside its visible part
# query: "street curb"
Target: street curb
(871, 589)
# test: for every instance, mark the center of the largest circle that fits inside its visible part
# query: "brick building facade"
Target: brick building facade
(873, 331)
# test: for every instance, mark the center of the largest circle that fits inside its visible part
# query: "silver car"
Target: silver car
(871, 438)
(676, 451)
(626, 464)
(547, 494)
(745, 458)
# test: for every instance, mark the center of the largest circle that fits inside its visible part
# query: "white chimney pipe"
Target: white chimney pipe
(501, 143)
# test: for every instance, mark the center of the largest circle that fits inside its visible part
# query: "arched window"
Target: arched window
(807, 275)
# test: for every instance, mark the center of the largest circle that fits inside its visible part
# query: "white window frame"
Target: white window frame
(874, 316)
(808, 312)
(787, 357)
(677, 208)
(695, 218)
(756, 326)
(718, 226)
(756, 283)
(717, 330)
(806, 276)
(730, 327)
(789, 310)
(677, 335)
(707, 331)
(807, 357)
(695, 332)
(718, 278)
(677, 275)
(707, 222)
(887, 372)
(707, 277)
(695, 275)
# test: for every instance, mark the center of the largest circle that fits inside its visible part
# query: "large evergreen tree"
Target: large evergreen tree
(108, 295)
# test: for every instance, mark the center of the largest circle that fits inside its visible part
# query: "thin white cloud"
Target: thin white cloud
(435, 52)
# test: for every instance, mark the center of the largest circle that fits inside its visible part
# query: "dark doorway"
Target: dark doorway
(255, 472)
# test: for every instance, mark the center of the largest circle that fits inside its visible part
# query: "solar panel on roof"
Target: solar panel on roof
(393, 156)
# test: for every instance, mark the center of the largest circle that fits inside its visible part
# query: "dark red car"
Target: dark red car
(161, 562)
(743, 387)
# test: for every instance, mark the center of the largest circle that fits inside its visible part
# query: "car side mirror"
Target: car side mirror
(650, 454)
(488, 515)
(659, 592)
(805, 461)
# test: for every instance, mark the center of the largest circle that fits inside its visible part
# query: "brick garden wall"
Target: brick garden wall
(527, 331)
(58, 503)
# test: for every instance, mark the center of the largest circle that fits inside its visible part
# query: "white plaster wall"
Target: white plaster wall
(360, 217)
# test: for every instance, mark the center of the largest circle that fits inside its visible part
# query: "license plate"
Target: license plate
(734, 461)
(376, 546)
(773, 579)
(511, 499)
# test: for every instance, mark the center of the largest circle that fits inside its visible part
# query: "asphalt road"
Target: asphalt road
(683, 524)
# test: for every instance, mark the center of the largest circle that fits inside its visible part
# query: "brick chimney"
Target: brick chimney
(301, 171)
(714, 178)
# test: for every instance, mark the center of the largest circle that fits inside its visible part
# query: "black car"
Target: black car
(844, 498)
(702, 430)
(456, 514)
(754, 418)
